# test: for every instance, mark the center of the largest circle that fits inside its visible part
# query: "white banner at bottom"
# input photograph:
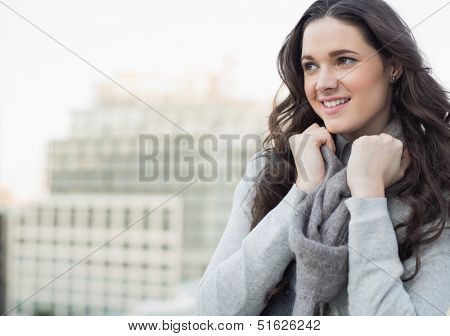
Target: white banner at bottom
(228, 325)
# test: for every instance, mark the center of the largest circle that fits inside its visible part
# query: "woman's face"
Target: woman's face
(338, 63)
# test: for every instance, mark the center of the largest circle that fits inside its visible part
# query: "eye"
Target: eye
(346, 60)
(307, 66)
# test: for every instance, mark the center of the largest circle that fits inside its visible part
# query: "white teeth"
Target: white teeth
(336, 102)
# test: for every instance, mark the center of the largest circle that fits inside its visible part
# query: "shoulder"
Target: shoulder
(244, 191)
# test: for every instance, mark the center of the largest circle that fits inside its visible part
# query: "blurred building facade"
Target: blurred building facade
(102, 156)
(110, 260)
(99, 163)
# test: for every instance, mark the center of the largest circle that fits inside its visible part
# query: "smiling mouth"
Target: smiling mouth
(336, 103)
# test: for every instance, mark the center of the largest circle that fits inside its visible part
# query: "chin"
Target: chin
(333, 126)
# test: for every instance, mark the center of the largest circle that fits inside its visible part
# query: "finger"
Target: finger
(312, 127)
(293, 138)
(329, 141)
(323, 137)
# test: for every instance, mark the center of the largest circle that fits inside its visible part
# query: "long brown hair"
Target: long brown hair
(421, 102)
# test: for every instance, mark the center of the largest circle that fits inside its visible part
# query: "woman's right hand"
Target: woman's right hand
(309, 162)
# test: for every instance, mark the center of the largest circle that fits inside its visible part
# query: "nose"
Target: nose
(326, 80)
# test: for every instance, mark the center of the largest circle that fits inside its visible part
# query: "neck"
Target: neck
(374, 126)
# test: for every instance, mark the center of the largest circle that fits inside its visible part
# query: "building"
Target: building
(182, 305)
(102, 156)
(97, 188)
(112, 253)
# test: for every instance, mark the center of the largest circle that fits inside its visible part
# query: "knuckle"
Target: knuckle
(398, 143)
(313, 127)
(361, 139)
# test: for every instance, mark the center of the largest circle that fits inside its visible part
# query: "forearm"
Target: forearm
(238, 285)
(375, 286)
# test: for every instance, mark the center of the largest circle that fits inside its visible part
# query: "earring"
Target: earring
(393, 78)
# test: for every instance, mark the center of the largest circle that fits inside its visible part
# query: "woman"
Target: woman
(345, 211)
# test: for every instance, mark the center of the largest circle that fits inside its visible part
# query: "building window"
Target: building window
(39, 216)
(108, 218)
(72, 217)
(166, 220)
(126, 221)
(55, 217)
(89, 220)
(146, 219)
(19, 307)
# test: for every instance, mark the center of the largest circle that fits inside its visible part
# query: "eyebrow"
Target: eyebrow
(332, 53)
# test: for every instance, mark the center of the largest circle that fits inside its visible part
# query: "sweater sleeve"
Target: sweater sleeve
(375, 269)
(246, 265)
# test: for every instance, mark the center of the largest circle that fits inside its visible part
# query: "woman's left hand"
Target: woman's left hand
(375, 163)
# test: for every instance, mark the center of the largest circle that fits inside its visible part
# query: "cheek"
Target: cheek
(310, 90)
(369, 92)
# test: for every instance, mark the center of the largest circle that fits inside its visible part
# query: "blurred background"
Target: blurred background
(80, 234)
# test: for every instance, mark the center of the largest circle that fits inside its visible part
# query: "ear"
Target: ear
(395, 69)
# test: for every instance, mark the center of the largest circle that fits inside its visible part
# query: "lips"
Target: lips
(334, 109)
(333, 103)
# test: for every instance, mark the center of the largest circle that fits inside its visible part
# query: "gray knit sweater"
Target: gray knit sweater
(247, 265)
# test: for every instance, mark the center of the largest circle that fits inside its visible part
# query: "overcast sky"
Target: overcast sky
(41, 82)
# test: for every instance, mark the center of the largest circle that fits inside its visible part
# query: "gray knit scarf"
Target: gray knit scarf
(319, 239)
